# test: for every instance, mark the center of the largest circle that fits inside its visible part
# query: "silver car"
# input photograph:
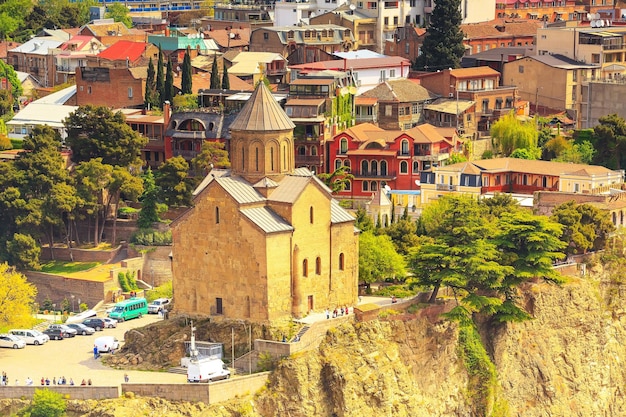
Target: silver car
(110, 323)
(10, 341)
(81, 329)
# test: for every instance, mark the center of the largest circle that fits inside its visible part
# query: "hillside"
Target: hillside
(565, 362)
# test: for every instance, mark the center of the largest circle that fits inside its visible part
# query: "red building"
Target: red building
(394, 158)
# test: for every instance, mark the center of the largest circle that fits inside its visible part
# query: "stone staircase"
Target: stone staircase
(301, 333)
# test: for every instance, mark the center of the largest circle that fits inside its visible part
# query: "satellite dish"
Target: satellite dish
(231, 35)
(312, 15)
(593, 24)
(352, 90)
(589, 16)
(344, 91)
(352, 7)
(601, 23)
(417, 182)
(597, 16)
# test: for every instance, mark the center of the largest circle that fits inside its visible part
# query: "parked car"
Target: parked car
(31, 337)
(82, 329)
(11, 341)
(110, 323)
(95, 323)
(106, 343)
(71, 332)
(158, 305)
(55, 334)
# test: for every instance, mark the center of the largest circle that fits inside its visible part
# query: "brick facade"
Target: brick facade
(110, 87)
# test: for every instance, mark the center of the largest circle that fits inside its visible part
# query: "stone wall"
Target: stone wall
(79, 255)
(74, 392)
(57, 288)
(545, 201)
(479, 146)
(211, 393)
(156, 263)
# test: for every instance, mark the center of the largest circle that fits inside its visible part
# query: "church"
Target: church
(263, 241)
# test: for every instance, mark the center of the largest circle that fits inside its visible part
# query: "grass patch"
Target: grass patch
(400, 291)
(17, 143)
(62, 267)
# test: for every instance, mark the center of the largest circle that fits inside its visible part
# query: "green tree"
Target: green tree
(92, 178)
(338, 180)
(23, 252)
(151, 98)
(215, 75)
(172, 179)
(455, 158)
(17, 296)
(363, 221)
(149, 201)
(47, 403)
(498, 204)
(509, 133)
(168, 87)
(212, 155)
(443, 45)
(378, 259)
(585, 227)
(577, 153)
(186, 80)
(12, 15)
(523, 153)
(403, 235)
(7, 71)
(160, 77)
(97, 132)
(609, 141)
(119, 13)
(225, 79)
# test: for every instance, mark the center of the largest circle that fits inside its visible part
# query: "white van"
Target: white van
(206, 370)
(31, 337)
(106, 343)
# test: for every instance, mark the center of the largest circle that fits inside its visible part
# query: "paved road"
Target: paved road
(73, 358)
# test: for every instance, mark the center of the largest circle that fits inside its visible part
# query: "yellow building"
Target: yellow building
(264, 241)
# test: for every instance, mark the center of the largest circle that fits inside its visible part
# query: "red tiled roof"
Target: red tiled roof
(365, 101)
(420, 31)
(242, 37)
(123, 49)
(80, 41)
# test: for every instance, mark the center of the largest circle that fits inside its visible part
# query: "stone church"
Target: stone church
(264, 240)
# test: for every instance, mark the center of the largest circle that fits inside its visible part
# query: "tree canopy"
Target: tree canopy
(97, 132)
(378, 259)
(119, 13)
(443, 45)
(338, 180)
(609, 140)
(172, 179)
(212, 155)
(17, 296)
(509, 133)
(585, 227)
(186, 80)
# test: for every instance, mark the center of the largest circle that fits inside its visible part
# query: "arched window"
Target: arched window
(271, 158)
(404, 147)
(318, 265)
(404, 167)
(374, 167)
(621, 217)
(374, 186)
(301, 150)
(348, 185)
(313, 151)
(545, 182)
(211, 125)
(416, 166)
(346, 163)
(337, 164)
(243, 157)
(343, 146)
(256, 159)
(341, 261)
(365, 167)
(383, 167)
(217, 215)
(614, 218)
(284, 157)
(525, 180)
(365, 186)
(305, 268)
(311, 214)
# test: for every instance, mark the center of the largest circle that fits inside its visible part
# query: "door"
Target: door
(310, 300)
(218, 308)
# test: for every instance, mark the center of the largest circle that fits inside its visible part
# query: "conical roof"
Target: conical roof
(262, 113)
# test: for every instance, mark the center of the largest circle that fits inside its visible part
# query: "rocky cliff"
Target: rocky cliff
(567, 361)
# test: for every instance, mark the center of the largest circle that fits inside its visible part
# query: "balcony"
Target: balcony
(388, 175)
(440, 156)
(309, 159)
(185, 154)
(66, 69)
(447, 187)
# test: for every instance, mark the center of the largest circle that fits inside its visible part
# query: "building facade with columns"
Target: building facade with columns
(264, 241)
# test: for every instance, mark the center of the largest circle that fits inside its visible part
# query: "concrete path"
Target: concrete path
(320, 316)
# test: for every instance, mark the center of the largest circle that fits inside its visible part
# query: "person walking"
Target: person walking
(327, 314)
(126, 378)
(96, 354)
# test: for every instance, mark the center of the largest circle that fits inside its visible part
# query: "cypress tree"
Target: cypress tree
(393, 210)
(443, 45)
(186, 81)
(225, 80)
(168, 89)
(160, 83)
(151, 98)
(215, 76)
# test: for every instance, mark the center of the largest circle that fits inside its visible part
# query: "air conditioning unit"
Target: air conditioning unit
(451, 95)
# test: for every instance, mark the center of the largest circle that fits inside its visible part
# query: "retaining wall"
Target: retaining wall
(58, 288)
(74, 392)
(79, 255)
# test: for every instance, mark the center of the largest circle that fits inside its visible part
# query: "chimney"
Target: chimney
(166, 115)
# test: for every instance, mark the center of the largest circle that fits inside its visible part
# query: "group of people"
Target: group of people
(60, 381)
(342, 311)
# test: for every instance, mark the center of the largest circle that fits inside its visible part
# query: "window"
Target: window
(311, 214)
(404, 167)
(392, 73)
(416, 166)
(342, 261)
(219, 308)
(520, 69)
(337, 164)
(365, 186)
(383, 167)
(217, 215)
(498, 103)
(318, 266)
(88, 89)
(256, 158)
(386, 21)
(407, 47)
(348, 186)
(395, 20)
(305, 268)
(365, 167)
(301, 150)
(388, 110)
(344, 146)
(374, 186)
(415, 108)
(405, 147)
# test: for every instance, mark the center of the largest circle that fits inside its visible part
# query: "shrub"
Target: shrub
(47, 304)
(83, 307)
(46, 403)
(131, 281)
(488, 154)
(400, 291)
(162, 291)
(151, 237)
(121, 277)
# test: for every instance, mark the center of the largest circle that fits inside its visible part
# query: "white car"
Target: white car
(31, 337)
(158, 305)
(11, 341)
(110, 323)
(106, 343)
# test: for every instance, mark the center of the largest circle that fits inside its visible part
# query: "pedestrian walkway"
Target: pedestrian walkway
(365, 299)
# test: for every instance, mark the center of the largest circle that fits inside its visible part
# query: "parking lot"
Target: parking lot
(73, 358)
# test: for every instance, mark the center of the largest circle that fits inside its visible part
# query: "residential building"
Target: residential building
(552, 81)
(296, 248)
(366, 73)
(480, 85)
(604, 46)
(254, 14)
(231, 38)
(111, 87)
(546, 11)
(302, 44)
(363, 26)
(515, 176)
(495, 58)
(36, 58)
(152, 126)
(166, 6)
(293, 12)
(5, 46)
(250, 66)
(108, 32)
(407, 42)
(366, 110)
(457, 114)
(600, 98)
(319, 105)
(174, 46)
(400, 103)
(125, 54)
(499, 33)
(381, 158)
(73, 54)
